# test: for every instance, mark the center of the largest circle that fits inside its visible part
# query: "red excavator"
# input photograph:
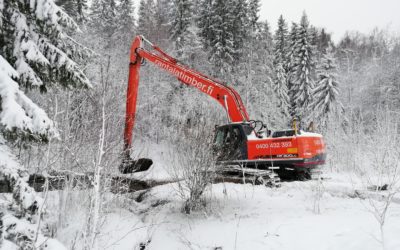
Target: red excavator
(241, 142)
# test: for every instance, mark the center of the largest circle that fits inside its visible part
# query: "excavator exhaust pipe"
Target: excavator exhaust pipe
(130, 166)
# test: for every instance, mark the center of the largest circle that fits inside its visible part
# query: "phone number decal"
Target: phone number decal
(286, 144)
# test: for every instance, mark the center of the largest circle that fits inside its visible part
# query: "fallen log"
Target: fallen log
(60, 181)
(114, 183)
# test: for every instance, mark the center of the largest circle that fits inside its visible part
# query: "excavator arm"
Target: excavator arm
(226, 96)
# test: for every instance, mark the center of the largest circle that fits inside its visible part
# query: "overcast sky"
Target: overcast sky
(337, 16)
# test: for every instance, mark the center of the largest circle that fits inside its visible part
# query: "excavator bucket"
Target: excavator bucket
(130, 166)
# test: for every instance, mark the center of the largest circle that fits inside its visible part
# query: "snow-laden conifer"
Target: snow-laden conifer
(240, 25)
(303, 81)
(35, 52)
(281, 88)
(281, 40)
(253, 13)
(204, 22)
(126, 21)
(146, 20)
(290, 63)
(326, 91)
(181, 20)
(77, 9)
(222, 45)
(34, 42)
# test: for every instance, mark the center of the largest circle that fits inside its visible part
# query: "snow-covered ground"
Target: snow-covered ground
(246, 217)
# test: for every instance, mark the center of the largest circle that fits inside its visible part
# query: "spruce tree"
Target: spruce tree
(281, 88)
(181, 19)
(253, 13)
(281, 40)
(104, 17)
(74, 8)
(303, 82)
(162, 21)
(222, 45)
(35, 52)
(204, 22)
(146, 18)
(240, 25)
(290, 66)
(327, 87)
(281, 73)
(126, 21)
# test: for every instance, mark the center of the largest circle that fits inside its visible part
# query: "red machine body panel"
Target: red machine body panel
(304, 149)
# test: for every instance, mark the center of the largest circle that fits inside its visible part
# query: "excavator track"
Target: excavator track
(241, 174)
(316, 173)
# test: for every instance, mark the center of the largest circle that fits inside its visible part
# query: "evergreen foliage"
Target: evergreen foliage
(204, 22)
(33, 40)
(181, 20)
(104, 17)
(280, 62)
(326, 91)
(240, 23)
(126, 21)
(77, 9)
(36, 52)
(146, 18)
(281, 40)
(222, 45)
(290, 65)
(253, 13)
(303, 81)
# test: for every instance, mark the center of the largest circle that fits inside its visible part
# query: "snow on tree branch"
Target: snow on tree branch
(17, 110)
(34, 44)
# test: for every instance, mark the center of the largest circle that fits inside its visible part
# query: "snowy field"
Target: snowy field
(244, 217)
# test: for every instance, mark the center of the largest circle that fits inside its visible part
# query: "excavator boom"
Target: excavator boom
(223, 94)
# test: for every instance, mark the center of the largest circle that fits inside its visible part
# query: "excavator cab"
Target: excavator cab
(230, 142)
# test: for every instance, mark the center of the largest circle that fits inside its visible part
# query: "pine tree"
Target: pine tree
(35, 52)
(303, 81)
(327, 87)
(181, 19)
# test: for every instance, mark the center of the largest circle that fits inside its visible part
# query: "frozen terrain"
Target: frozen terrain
(246, 217)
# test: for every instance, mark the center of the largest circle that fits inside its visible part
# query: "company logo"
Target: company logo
(206, 88)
